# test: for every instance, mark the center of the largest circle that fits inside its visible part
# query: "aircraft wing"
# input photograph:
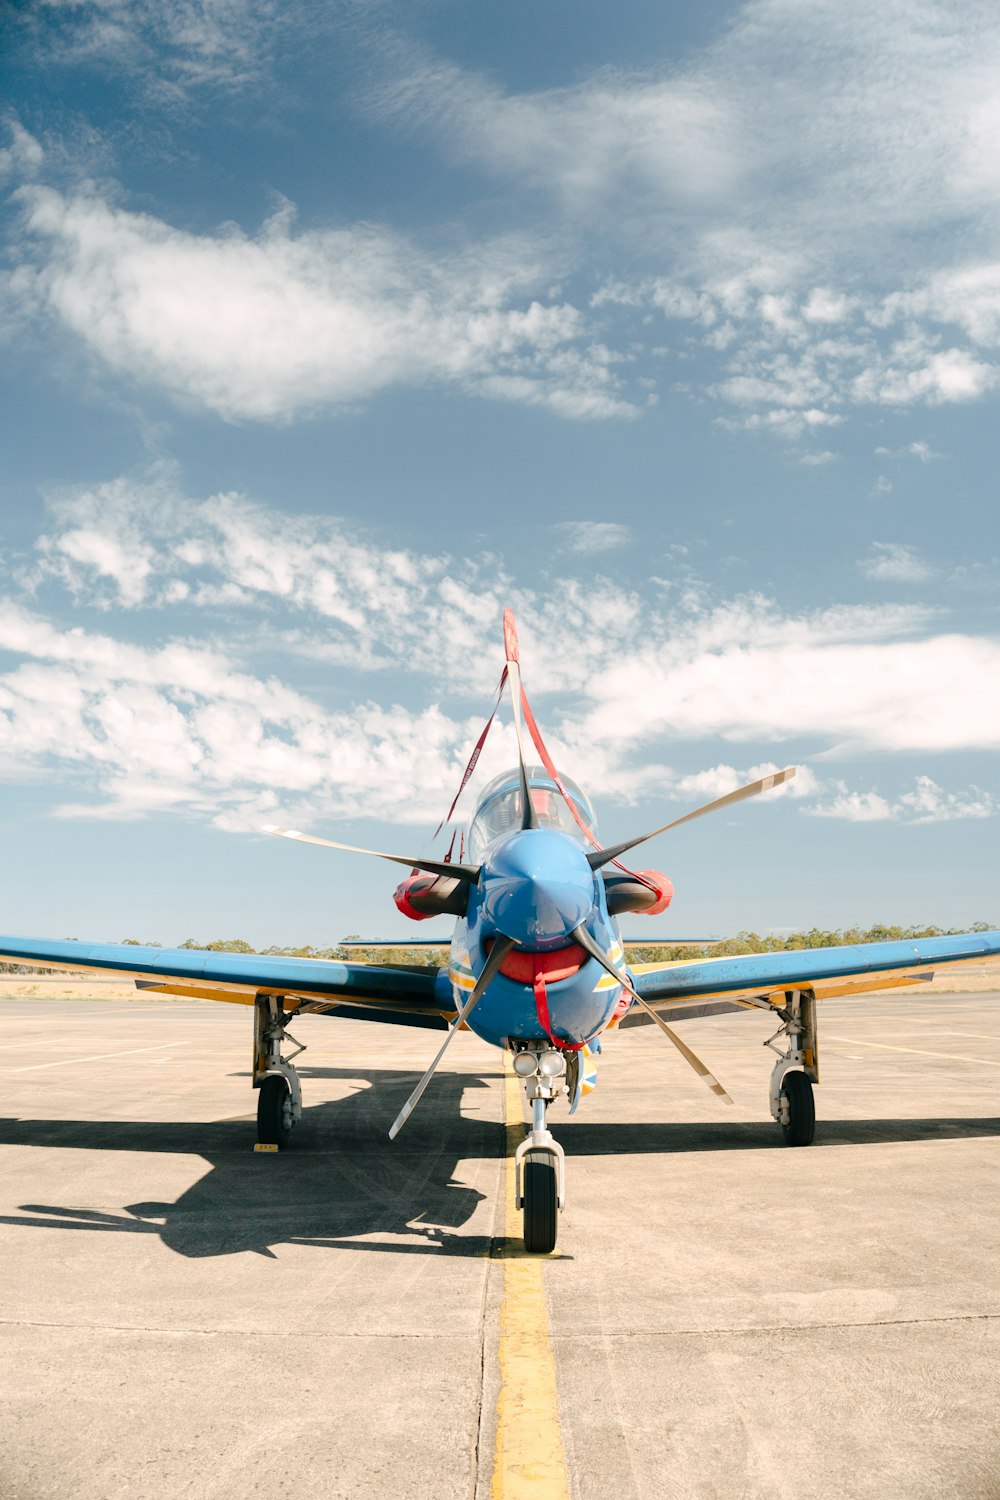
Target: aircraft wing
(366, 992)
(710, 986)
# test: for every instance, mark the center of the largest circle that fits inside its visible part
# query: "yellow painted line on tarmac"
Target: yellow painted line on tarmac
(528, 1458)
(66, 1062)
(854, 1041)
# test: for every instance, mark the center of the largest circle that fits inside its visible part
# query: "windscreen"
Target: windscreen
(498, 810)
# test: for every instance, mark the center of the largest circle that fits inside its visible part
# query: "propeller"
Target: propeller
(601, 857)
(591, 946)
(529, 818)
(501, 947)
(469, 873)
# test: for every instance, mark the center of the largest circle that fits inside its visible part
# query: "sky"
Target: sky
(330, 330)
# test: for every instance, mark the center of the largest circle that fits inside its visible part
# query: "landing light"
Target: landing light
(551, 1064)
(525, 1064)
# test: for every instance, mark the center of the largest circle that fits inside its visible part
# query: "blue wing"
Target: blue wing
(367, 992)
(716, 984)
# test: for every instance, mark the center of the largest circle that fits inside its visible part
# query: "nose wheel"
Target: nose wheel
(541, 1202)
(539, 1163)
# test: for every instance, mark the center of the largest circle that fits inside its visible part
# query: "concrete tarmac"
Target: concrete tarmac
(731, 1318)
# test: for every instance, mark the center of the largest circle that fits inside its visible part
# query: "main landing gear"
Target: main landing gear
(279, 1100)
(796, 1070)
(539, 1163)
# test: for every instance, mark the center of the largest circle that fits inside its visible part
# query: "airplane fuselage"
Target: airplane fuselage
(537, 888)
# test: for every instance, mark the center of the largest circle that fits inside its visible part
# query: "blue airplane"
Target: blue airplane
(536, 967)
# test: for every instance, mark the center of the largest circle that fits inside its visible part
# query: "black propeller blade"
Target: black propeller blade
(501, 947)
(469, 873)
(591, 946)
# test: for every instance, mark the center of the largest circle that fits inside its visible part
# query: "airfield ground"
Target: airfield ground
(725, 1316)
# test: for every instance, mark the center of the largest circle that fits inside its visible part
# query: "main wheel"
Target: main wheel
(541, 1203)
(274, 1111)
(801, 1127)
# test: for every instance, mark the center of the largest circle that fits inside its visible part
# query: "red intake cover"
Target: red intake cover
(665, 888)
(563, 963)
(401, 896)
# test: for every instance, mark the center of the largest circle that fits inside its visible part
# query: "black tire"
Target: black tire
(541, 1203)
(801, 1127)
(274, 1111)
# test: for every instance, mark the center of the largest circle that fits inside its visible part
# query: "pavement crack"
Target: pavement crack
(494, 1254)
(243, 1333)
(687, 1333)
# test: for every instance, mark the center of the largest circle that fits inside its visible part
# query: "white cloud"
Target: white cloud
(791, 376)
(913, 372)
(856, 807)
(171, 49)
(841, 129)
(816, 187)
(966, 295)
(717, 781)
(184, 726)
(128, 729)
(824, 306)
(891, 562)
(325, 589)
(815, 460)
(134, 731)
(917, 449)
(848, 677)
(782, 421)
(818, 182)
(927, 803)
(587, 537)
(882, 486)
(23, 157)
(607, 137)
(285, 324)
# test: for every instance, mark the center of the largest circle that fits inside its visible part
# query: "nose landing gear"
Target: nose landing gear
(539, 1161)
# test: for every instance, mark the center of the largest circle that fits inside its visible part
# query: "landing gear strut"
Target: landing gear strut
(796, 1070)
(279, 1101)
(539, 1162)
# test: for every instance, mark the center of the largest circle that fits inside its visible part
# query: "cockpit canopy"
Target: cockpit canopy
(498, 810)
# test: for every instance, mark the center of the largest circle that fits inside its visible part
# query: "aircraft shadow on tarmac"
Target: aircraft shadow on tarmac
(343, 1179)
(679, 1137)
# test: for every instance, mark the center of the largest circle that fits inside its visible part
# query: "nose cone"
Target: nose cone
(537, 887)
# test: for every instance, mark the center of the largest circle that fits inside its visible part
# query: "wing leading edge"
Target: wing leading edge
(686, 988)
(369, 992)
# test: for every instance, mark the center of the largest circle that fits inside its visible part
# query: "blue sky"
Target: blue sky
(331, 330)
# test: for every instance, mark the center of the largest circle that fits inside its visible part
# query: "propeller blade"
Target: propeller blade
(468, 873)
(603, 856)
(583, 937)
(529, 818)
(689, 1057)
(501, 947)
